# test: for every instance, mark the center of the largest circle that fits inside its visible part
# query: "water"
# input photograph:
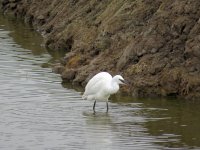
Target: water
(38, 112)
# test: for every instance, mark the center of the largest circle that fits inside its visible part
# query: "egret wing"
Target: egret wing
(97, 82)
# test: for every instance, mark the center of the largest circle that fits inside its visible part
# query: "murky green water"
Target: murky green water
(37, 112)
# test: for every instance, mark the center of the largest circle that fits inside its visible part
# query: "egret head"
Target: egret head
(119, 79)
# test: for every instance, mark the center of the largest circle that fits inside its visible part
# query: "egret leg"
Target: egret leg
(94, 106)
(107, 106)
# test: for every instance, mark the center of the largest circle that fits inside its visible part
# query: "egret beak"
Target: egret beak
(123, 82)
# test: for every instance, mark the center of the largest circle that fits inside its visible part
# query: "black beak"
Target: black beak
(123, 82)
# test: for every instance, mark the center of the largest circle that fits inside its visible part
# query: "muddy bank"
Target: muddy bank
(155, 44)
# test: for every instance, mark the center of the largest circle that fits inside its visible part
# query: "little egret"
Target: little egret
(101, 86)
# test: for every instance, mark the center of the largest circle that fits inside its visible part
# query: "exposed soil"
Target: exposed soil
(154, 44)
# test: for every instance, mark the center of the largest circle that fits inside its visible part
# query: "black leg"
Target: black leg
(107, 106)
(94, 106)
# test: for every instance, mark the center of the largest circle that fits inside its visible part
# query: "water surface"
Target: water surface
(39, 112)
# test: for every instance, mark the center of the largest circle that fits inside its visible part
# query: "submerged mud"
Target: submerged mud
(154, 44)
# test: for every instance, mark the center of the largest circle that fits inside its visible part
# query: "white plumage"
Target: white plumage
(101, 86)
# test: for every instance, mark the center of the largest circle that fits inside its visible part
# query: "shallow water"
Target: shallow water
(39, 112)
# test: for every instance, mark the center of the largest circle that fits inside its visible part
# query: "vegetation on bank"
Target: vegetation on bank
(155, 44)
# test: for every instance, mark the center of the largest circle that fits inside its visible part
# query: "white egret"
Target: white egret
(101, 86)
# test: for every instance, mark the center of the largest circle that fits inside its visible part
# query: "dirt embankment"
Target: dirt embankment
(155, 44)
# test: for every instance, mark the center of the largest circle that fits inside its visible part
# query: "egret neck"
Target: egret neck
(114, 86)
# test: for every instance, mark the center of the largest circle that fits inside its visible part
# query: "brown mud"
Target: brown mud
(154, 44)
